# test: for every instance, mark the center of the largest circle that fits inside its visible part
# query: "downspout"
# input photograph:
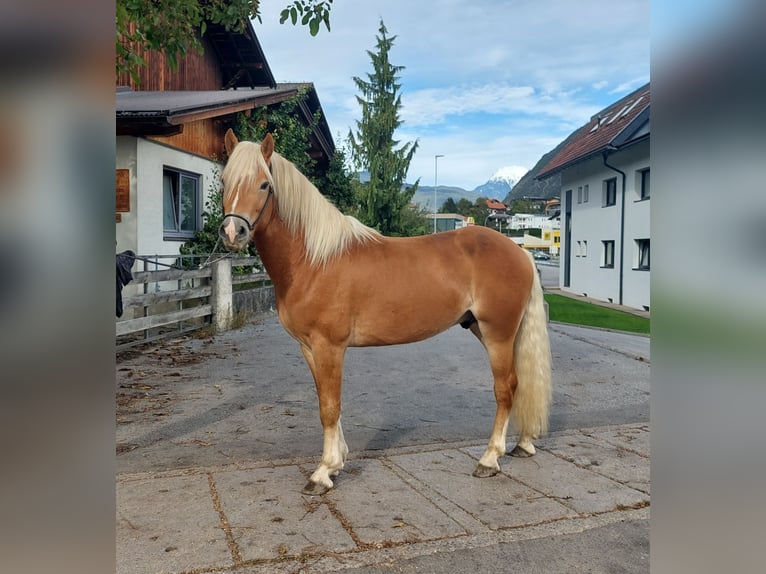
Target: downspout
(610, 148)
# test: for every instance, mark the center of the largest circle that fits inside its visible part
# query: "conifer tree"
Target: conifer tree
(373, 147)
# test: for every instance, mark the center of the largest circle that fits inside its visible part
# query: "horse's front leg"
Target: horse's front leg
(326, 364)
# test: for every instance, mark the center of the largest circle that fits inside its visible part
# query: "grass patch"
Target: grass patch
(567, 310)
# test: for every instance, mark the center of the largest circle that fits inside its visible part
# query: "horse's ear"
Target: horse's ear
(267, 147)
(230, 141)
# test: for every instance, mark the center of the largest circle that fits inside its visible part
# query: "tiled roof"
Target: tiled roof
(600, 131)
(493, 204)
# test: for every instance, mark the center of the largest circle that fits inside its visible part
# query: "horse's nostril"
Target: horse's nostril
(242, 231)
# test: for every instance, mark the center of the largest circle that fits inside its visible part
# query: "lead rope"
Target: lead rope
(207, 261)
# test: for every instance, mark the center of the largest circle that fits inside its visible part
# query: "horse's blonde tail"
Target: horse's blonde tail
(532, 352)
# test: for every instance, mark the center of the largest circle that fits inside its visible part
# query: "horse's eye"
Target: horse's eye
(264, 186)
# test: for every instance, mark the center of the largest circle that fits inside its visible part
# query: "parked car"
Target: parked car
(542, 255)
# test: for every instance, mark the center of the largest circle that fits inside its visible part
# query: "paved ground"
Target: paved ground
(216, 438)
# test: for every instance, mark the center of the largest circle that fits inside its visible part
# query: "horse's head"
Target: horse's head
(247, 189)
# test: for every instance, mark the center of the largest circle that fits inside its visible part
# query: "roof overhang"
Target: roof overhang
(243, 62)
(165, 113)
(157, 113)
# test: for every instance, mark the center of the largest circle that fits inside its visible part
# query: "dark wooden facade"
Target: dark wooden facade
(203, 137)
(230, 60)
(195, 72)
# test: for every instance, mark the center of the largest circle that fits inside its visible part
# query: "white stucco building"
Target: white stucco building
(605, 204)
(532, 221)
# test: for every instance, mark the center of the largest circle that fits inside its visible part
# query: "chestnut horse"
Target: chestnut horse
(341, 284)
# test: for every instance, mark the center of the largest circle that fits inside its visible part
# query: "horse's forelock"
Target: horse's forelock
(243, 167)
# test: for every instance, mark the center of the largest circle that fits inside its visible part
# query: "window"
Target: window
(641, 260)
(607, 253)
(180, 203)
(579, 194)
(578, 249)
(610, 192)
(584, 252)
(643, 184)
(585, 193)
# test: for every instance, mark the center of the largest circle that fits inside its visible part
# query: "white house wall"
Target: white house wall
(141, 229)
(530, 220)
(593, 224)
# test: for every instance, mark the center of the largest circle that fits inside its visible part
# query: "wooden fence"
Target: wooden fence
(186, 296)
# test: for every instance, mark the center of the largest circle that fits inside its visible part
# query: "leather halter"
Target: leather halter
(251, 226)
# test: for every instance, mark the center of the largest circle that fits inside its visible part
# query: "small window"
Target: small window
(644, 187)
(642, 254)
(585, 193)
(180, 204)
(607, 253)
(610, 192)
(579, 194)
(584, 252)
(578, 247)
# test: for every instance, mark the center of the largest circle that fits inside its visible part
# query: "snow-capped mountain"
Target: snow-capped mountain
(497, 187)
(511, 174)
(500, 184)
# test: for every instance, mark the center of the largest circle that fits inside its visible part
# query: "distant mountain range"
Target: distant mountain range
(507, 184)
(498, 187)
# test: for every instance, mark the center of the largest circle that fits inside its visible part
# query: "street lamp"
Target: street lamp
(436, 174)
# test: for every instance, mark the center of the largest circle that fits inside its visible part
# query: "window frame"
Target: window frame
(642, 261)
(178, 177)
(644, 184)
(607, 253)
(610, 192)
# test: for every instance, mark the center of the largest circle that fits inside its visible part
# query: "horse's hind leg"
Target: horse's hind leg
(326, 364)
(525, 447)
(501, 361)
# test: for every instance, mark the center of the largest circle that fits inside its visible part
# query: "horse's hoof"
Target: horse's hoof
(314, 489)
(520, 452)
(485, 471)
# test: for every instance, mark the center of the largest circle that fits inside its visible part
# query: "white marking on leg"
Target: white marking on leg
(525, 443)
(342, 444)
(332, 456)
(495, 448)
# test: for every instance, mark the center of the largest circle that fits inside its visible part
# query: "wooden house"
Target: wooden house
(170, 127)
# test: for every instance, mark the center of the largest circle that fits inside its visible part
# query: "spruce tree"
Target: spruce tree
(383, 199)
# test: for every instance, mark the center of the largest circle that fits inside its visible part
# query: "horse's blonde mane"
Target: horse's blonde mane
(326, 231)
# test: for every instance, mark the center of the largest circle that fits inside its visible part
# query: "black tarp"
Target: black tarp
(124, 276)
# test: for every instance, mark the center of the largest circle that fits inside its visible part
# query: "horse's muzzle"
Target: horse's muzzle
(234, 232)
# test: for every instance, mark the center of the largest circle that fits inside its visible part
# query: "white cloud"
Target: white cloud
(439, 105)
(539, 70)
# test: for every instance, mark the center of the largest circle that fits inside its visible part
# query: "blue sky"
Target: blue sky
(487, 83)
